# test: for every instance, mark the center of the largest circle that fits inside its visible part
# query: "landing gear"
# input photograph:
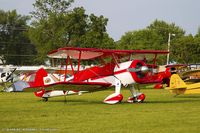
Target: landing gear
(136, 97)
(139, 98)
(45, 99)
(117, 96)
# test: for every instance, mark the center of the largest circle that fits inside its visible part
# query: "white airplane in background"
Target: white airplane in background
(9, 72)
(6, 74)
(27, 73)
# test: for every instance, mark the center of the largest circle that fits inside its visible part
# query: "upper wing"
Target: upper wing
(91, 53)
(76, 53)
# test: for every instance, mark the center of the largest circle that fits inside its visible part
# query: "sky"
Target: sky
(129, 15)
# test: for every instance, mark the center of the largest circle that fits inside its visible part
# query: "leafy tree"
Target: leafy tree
(198, 33)
(55, 28)
(96, 35)
(141, 39)
(163, 29)
(155, 36)
(15, 47)
(185, 50)
(197, 49)
(46, 7)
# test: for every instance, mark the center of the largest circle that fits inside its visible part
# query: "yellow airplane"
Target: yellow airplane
(178, 86)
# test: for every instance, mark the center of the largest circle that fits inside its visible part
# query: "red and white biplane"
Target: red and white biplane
(116, 68)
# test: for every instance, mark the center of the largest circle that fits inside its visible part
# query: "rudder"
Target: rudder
(176, 82)
(40, 74)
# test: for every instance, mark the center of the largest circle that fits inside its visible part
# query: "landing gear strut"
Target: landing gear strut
(136, 97)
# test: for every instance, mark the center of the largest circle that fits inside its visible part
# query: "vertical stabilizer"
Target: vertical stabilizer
(176, 82)
(40, 74)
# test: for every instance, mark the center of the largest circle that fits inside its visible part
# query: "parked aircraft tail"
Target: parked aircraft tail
(177, 85)
(40, 74)
(176, 82)
(35, 80)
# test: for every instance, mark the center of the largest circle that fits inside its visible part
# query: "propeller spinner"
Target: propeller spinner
(142, 69)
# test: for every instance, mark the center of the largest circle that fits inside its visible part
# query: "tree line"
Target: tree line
(26, 40)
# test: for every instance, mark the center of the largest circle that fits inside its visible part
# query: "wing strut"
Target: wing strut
(71, 66)
(66, 67)
(68, 60)
(79, 60)
(154, 60)
(115, 60)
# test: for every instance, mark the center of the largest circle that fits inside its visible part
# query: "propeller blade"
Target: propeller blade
(8, 78)
(134, 70)
(143, 69)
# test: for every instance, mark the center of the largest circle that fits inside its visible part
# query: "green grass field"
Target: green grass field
(160, 113)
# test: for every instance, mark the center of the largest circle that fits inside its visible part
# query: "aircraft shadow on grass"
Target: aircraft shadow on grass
(178, 99)
(75, 101)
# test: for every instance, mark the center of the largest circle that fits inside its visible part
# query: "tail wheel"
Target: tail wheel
(45, 99)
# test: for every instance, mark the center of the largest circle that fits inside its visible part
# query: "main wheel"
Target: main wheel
(140, 98)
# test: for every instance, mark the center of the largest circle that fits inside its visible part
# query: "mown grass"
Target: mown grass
(161, 112)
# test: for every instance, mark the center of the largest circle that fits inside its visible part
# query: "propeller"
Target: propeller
(9, 77)
(142, 69)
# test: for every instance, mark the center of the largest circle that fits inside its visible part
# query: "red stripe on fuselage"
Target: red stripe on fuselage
(121, 71)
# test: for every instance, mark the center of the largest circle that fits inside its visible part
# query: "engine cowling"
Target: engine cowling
(138, 70)
(131, 71)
